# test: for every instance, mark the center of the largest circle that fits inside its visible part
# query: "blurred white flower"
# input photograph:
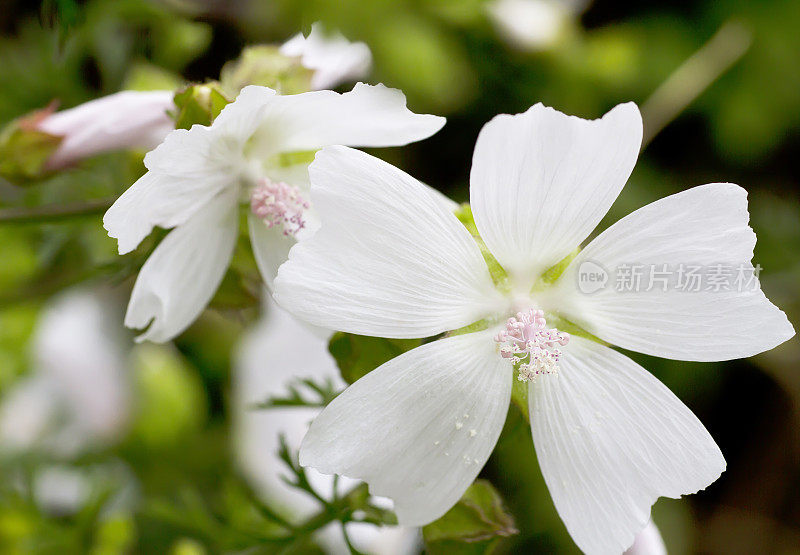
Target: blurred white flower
(78, 393)
(648, 542)
(277, 351)
(61, 489)
(533, 24)
(198, 178)
(389, 261)
(127, 119)
(333, 58)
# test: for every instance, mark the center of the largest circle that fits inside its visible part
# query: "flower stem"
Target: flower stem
(694, 76)
(54, 212)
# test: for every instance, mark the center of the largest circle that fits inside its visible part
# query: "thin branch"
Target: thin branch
(694, 76)
(54, 212)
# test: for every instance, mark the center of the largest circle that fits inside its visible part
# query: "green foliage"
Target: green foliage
(302, 393)
(357, 355)
(171, 401)
(476, 524)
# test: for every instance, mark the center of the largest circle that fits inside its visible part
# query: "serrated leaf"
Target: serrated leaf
(357, 355)
(474, 525)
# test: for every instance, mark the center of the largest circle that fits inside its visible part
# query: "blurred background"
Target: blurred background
(114, 447)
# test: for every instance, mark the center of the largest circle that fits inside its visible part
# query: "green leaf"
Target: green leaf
(199, 104)
(476, 524)
(358, 355)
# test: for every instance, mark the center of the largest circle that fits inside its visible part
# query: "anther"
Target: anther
(530, 345)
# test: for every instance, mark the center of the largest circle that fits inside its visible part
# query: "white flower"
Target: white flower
(198, 178)
(79, 393)
(533, 24)
(278, 350)
(128, 119)
(333, 58)
(610, 438)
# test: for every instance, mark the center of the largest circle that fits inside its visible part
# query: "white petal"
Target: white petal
(704, 226)
(270, 248)
(648, 542)
(240, 119)
(389, 260)
(333, 58)
(78, 347)
(541, 181)
(183, 272)
(27, 412)
(185, 172)
(611, 439)
(366, 116)
(419, 428)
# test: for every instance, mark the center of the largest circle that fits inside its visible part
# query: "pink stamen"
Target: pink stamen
(528, 342)
(278, 203)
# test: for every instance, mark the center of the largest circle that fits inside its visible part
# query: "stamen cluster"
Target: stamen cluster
(529, 344)
(278, 203)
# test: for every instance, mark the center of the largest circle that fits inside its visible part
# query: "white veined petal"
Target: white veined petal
(366, 116)
(239, 120)
(183, 272)
(185, 173)
(611, 439)
(333, 58)
(705, 226)
(270, 248)
(389, 260)
(419, 428)
(541, 181)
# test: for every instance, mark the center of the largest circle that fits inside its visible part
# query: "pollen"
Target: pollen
(279, 204)
(530, 345)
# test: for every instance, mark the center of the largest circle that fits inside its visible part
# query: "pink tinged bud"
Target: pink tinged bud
(279, 204)
(128, 119)
(528, 342)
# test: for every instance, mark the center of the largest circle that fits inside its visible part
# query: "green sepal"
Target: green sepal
(498, 273)
(476, 524)
(288, 159)
(198, 104)
(24, 149)
(265, 65)
(357, 355)
(551, 275)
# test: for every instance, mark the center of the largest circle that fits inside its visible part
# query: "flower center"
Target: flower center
(528, 342)
(278, 203)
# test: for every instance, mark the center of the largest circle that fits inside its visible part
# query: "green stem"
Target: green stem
(54, 212)
(694, 76)
(340, 510)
